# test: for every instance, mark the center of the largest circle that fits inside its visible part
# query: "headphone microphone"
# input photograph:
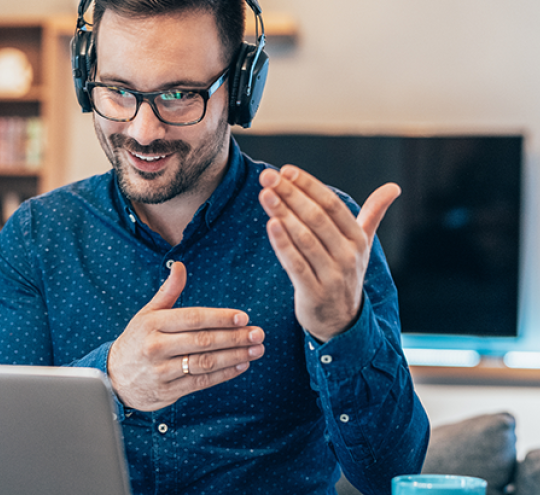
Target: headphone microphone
(247, 73)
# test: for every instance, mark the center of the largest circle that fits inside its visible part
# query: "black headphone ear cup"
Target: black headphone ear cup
(249, 78)
(82, 61)
(234, 81)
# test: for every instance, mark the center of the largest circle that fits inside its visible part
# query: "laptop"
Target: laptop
(58, 433)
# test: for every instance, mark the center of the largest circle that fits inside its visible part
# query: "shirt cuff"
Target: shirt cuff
(98, 359)
(347, 353)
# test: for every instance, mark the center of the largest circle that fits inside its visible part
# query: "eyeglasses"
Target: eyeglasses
(173, 107)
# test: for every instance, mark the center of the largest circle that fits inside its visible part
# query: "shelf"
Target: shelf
(18, 171)
(34, 95)
(45, 41)
(278, 26)
(489, 372)
(23, 21)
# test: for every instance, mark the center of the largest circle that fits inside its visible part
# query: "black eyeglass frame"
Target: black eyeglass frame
(206, 94)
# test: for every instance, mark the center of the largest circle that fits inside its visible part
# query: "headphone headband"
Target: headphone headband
(247, 75)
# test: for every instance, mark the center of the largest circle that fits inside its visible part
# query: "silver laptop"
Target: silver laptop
(58, 433)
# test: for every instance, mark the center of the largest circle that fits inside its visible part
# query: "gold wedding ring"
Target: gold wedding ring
(185, 365)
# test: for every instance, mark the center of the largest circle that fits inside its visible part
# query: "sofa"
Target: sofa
(483, 446)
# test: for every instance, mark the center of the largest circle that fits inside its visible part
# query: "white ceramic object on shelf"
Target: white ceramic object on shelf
(16, 73)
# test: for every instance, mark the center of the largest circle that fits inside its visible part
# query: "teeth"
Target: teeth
(149, 158)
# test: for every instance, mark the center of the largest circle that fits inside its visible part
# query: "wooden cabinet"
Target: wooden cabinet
(33, 124)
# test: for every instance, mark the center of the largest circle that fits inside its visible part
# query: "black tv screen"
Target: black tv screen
(451, 239)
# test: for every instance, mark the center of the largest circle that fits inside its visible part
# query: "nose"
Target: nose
(146, 127)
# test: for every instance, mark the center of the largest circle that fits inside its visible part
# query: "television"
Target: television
(452, 239)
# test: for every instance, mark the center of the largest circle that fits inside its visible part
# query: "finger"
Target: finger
(314, 189)
(192, 383)
(297, 266)
(170, 291)
(180, 344)
(297, 243)
(309, 225)
(198, 318)
(188, 318)
(209, 362)
(375, 207)
(168, 392)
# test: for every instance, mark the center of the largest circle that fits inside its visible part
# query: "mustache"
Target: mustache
(157, 147)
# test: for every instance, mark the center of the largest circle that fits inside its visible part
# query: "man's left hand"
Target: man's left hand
(322, 247)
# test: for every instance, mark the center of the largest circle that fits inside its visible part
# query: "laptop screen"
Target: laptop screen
(58, 433)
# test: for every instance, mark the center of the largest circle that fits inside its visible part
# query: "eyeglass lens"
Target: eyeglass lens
(174, 107)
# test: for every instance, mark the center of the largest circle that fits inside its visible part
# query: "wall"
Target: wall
(36, 7)
(451, 403)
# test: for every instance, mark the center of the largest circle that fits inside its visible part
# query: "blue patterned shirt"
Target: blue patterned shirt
(76, 265)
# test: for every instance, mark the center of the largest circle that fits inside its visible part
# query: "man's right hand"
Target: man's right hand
(145, 362)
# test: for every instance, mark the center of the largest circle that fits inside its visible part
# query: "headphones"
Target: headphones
(247, 73)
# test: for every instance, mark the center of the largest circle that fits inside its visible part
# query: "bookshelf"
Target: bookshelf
(33, 122)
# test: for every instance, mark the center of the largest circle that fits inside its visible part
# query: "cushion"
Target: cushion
(344, 487)
(482, 446)
(527, 479)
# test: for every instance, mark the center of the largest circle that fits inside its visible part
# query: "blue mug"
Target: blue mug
(438, 484)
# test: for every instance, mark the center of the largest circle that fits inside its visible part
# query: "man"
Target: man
(170, 271)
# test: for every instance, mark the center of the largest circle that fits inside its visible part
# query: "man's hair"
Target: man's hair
(229, 15)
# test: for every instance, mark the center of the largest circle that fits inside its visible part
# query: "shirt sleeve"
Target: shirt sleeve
(376, 425)
(25, 336)
(24, 332)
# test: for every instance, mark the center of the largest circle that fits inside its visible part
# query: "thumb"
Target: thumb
(170, 291)
(375, 208)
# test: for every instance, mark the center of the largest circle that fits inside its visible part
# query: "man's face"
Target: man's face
(155, 161)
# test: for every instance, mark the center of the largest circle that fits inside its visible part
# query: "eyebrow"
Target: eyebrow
(184, 83)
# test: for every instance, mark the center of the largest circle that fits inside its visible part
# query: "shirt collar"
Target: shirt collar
(227, 189)
(212, 208)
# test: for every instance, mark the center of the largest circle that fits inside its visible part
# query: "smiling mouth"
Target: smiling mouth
(147, 158)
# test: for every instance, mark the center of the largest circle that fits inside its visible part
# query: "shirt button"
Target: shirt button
(310, 345)
(163, 428)
(169, 264)
(344, 418)
(132, 218)
(326, 359)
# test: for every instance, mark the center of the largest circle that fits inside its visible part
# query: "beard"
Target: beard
(189, 175)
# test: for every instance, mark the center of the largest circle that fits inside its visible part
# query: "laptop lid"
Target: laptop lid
(58, 433)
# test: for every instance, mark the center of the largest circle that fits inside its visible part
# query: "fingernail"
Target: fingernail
(275, 226)
(272, 198)
(241, 319)
(256, 336)
(256, 351)
(290, 173)
(271, 179)
(242, 366)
